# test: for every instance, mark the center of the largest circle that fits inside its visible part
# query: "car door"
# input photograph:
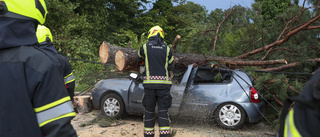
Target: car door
(202, 94)
(135, 97)
(177, 92)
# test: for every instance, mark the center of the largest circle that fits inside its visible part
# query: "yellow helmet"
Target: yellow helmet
(42, 33)
(154, 31)
(24, 9)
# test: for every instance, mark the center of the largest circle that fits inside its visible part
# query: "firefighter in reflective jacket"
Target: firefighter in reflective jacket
(33, 99)
(45, 42)
(303, 119)
(157, 82)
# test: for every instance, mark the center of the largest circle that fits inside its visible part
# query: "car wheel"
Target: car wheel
(112, 106)
(230, 116)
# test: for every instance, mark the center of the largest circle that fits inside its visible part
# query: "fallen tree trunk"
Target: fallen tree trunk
(107, 52)
(126, 60)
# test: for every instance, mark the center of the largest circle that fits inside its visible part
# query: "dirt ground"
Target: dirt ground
(132, 126)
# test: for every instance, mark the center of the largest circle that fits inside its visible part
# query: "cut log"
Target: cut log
(125, 59)
(103, 52)
(107, 52)
(82, 104)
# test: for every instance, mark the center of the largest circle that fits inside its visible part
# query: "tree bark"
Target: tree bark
(182, 60)
(125, 59)
(107, 52)
(82, 104)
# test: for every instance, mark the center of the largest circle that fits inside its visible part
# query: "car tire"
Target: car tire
(230, 116)
(112, 106)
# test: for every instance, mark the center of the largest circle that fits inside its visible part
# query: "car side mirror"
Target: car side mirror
(133, 75)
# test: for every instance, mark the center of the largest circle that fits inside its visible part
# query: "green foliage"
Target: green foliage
(133, 39)
(271, 8)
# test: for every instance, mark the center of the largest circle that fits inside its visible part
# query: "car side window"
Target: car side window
(211, 75)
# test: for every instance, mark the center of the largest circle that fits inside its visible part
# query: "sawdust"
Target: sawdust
(132, 126)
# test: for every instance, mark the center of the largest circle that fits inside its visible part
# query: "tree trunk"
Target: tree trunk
(107, 52)
(125, 59)
(82, 104)
(182, 60)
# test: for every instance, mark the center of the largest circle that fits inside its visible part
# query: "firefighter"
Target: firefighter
(303, 119)
(45, 42)
(157, 82)
(33, 99)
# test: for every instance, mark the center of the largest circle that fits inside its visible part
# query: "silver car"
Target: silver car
(226, 96)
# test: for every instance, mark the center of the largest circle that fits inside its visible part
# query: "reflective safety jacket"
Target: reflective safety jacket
(33, 99)
(64, 66)
(158, 61)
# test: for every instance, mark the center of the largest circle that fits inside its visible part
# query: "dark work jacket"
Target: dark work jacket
(64, 66)
(304, 117)
(158, 62)
(33, 99)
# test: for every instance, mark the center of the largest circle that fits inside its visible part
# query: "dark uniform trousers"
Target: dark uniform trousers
(151, 98)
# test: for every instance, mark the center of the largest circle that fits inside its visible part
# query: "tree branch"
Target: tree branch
(290, 65)
(279, 42)
(218, 28)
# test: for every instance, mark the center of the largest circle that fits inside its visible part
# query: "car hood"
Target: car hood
(113, 83)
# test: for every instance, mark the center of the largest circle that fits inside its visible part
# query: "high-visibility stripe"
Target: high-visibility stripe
(146, 60)
(71, 114)
(171, 60)
(57, 112)
(291, 131)
(139, 54)
(164, 128)
(157, 82)
(53, 104)
(166, 66)
(148, 128)
(69, 78)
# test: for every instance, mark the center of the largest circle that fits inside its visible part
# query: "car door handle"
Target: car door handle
(136, 101)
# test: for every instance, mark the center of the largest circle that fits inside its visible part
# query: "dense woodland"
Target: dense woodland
(268, 30)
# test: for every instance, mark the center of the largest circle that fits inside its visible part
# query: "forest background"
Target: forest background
(269, 30)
